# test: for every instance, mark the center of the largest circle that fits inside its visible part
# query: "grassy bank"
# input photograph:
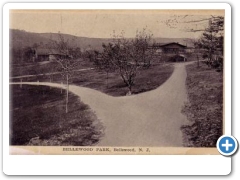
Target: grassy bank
(146, 79)
(37, 117)
(205, 107)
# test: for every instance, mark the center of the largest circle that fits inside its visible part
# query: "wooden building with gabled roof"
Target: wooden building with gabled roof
(170, 48)
(49, 54)
(172, 51)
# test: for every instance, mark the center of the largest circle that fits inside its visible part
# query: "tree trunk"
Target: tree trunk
(67, 96)
(129, 93)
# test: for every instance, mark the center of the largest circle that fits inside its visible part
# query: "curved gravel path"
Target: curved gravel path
(150, 119)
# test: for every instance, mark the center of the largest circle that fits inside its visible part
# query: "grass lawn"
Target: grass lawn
(205, 107)
(37, 117)
(146, 80)
(42, 67)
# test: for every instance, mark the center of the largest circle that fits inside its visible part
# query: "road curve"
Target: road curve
(150, 119)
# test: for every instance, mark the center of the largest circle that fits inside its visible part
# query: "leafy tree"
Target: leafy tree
(75, 52)
(29, 54)
(211, 42)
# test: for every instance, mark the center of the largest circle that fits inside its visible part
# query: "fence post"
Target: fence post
(21, 84)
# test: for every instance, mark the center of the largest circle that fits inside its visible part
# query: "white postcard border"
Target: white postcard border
(114, 164)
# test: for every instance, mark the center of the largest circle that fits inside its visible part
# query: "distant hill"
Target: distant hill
(75, 41)
(20, 38)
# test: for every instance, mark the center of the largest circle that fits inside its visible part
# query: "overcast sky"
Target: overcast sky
(102, 23)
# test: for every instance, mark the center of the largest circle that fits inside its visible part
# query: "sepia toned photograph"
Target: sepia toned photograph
(115, 81)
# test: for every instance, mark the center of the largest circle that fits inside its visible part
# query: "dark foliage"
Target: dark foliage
(205, 107)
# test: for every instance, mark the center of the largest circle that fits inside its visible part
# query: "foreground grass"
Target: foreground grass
(205, 107)
(147, 79)
(37, 117)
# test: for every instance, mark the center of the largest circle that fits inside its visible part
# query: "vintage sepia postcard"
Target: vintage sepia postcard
(116, 81)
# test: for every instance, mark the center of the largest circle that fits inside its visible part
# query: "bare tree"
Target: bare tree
(126, 56)
(100, 63)
(193, 23)
(65, 60)
(142, 45)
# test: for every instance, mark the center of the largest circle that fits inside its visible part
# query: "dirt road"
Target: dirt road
(150, 119)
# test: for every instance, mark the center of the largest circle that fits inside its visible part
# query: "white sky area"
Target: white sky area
(101, 24)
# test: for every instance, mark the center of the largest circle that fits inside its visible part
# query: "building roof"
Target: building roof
(50, 52)
(167, 44)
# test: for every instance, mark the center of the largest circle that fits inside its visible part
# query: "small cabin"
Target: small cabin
(170, 48)
(49, 55)
(172, 51)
